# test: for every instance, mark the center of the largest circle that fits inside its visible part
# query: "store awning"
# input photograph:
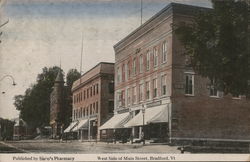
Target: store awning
(117, 121)
(81, 125)
(157, 114)
(70, 127)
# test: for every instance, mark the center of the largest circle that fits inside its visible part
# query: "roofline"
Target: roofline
(110, 63)
(168, 7)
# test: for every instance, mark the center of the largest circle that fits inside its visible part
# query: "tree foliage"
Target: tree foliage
(218, 42)
(72, 75)
(34, 105)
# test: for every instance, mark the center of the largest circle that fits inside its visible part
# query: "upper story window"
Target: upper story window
(155, 55)
(189, 84)
(213, 89)
(111, 106)
(128, 97)
(96, 106)
(84, 94)
(83, 112)
(141, 64)
(87, 111)
(90, 91)
(97, 85)
(164, 52)
(147, 90)
(118, 75)
(134, 95)
(123, 73)
(93, 89)
(148, 60)
(134, 66)
(123, 97)
(87, 93)
(163, 85)
(128, 70)
(111, 87)
(155, 88)
(140, 92)
(76, 113)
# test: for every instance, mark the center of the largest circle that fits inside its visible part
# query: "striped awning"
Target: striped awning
(83, 124)
(117, 121)
(70, 127)
(157, 114)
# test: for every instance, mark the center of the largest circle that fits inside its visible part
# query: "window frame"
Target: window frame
(164, 51)
(155, 57)
(141, 63)
(155, 88)
(148, 60)
(188, 74)
(164, 83)
(213, 89)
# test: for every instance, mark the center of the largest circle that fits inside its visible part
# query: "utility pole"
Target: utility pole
(81, 55)
(141, 12)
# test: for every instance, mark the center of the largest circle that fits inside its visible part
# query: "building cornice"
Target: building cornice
(169, 10)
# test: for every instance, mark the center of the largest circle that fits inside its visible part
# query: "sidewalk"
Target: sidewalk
(75, 146)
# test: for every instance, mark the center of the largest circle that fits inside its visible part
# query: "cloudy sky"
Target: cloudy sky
(40, 32)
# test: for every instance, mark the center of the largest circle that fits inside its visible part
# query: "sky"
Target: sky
(42, 32)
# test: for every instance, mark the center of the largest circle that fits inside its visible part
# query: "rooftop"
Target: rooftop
(171, 8)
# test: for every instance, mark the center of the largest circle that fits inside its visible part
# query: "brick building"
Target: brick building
(6, 129)
(57, 106)
(93, 101)
(155, 87)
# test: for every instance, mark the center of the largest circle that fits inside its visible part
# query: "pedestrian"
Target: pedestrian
(131, 138)
(114, 137)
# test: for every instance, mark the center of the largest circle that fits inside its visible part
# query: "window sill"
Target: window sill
(189, 95)
(214, 96)
(236, 98)
(164, 62)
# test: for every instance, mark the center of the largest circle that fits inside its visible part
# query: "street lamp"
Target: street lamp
(143, 118)
(11, 77)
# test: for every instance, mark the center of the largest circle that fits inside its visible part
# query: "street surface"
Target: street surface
(76, 147)
(5, 148)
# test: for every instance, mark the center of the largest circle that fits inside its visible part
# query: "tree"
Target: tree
(71, 76)
(34, 105)
(218, 42)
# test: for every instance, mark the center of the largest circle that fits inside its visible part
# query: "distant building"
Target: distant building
(155, 87)
(93, 101)
(6, 129)
(58, 109)
(21, 129)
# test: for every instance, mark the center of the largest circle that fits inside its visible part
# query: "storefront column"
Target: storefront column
(140, 132)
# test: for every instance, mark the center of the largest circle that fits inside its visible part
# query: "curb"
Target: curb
(9, 145)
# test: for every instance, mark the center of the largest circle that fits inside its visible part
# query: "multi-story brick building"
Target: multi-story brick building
(93, 101)
(155, 87)
(57, 106)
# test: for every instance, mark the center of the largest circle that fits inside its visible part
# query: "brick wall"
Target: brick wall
(203, 116)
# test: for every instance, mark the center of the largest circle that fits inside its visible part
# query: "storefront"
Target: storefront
(150, 124)
(142, 123)
(114, 130)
